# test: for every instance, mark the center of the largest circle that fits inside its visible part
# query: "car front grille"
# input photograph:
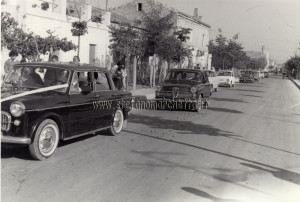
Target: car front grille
(5, 121)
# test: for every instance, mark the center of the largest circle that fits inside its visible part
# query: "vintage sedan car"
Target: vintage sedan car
(226, 78)
(213, 79)
(266, 74)
(187, 85)
(246, 76)
(43, 103)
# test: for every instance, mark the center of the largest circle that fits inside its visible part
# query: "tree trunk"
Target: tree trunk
(127, 63)
(78, 46)
(134, 73)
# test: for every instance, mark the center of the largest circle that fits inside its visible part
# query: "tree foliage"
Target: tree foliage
(293, 63)
(256, 64)
(27, 43)
(126, 40)
(227, 53)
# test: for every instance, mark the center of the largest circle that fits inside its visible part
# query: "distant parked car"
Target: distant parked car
(246, 76)
(226, 78)
(266, 74)
(261, 74)
(185, 85)
(40, 108)
(213, 79)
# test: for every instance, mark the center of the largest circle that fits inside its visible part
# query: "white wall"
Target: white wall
(39, 21)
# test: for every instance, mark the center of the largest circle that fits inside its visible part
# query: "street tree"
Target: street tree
(79, 28)
(227, 53)
(163, 38)
(126, 41)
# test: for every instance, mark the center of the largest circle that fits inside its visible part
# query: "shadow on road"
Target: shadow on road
(186, 127)
(218, 109)
(254, 91)
(279, 172)
(16, 152)
(22, 152)
(203, 194)
(251, 95)
(227, 99)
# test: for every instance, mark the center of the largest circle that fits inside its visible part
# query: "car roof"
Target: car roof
(67, 66)
(189, 70)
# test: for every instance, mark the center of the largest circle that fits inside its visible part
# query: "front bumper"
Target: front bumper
(15, 140)
(224, 84)
(168, 95)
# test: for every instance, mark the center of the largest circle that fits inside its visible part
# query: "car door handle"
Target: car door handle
(97, 96)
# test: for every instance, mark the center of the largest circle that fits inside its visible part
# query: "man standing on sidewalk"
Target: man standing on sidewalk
(10, 62)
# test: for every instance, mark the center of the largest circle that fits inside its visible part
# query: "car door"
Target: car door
(105, 101)
(82, 113)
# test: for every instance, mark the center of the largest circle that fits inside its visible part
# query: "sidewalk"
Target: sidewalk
(295, 81)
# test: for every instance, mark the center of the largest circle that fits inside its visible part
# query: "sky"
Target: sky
(274, 24)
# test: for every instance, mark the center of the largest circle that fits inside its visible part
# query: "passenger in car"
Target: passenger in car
(31, 78)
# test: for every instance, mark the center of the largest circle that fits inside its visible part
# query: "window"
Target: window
(80, 82)
(101, 81)
(140, 6)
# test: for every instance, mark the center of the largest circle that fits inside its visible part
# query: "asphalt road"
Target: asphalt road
(245, 147)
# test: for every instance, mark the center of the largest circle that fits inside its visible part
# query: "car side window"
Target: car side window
(101, 81)
(80, 81)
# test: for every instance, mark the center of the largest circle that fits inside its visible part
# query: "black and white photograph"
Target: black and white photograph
(150, 101)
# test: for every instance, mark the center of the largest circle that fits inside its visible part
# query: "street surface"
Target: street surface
(245, 147)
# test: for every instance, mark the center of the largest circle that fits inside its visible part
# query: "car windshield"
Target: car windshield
(183, 75)
(26, 78)
(246, 72)
(224, 74)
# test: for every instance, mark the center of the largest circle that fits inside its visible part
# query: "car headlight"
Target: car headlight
(158, 88)
(17, 109)
(193, 90)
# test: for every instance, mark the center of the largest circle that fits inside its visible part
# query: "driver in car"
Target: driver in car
(31, 78)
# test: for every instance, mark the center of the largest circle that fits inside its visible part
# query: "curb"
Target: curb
(298, 86)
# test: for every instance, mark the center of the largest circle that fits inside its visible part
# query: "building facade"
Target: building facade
(94, 46)
(199, 36)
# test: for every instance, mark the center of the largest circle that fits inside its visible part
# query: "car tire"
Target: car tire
(117, 124)
(233, 85)
(45, 140)
(216, 89)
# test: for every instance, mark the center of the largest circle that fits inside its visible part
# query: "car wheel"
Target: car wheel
(45, 141)
(216, 89)
(118, 122)
(233, 85)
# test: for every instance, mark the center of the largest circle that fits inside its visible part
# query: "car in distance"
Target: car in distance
(246, 76)
(266, 74)
(190, 85)
(226, 78)
(213, 79)
(43, 103)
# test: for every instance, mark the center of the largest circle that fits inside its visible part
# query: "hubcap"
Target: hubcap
(48, 139)
(118, 121)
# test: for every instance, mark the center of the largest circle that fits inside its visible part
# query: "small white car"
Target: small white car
(213, 79)
(226, 78)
